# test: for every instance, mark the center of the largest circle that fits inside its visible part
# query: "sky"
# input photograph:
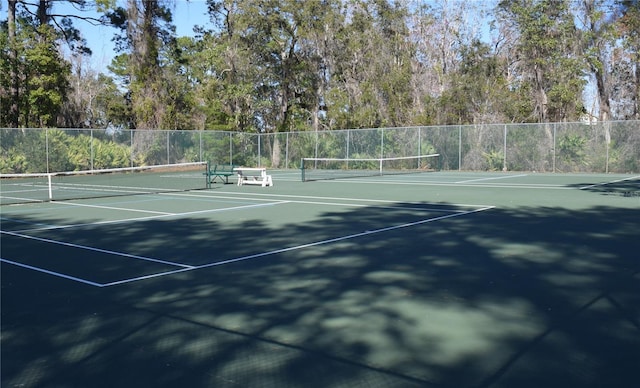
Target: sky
(186, 15)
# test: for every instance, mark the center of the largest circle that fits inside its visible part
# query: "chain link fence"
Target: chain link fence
(552, 147)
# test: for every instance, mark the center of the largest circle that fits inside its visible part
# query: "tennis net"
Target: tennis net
(59, 186)
(314, 169)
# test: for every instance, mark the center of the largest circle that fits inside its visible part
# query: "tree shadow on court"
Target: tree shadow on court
(369, 296)
(623, 188)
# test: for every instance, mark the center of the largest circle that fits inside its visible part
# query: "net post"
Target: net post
(302, 168)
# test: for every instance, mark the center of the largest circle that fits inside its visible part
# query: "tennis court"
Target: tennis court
(432, 279)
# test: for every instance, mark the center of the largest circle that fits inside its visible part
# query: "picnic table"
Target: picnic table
(253, 176)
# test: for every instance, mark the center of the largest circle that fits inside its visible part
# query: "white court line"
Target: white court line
(238, 259)
(37, 188)
(444, 209)
(302, 246)
(151, 276)
(229, 195)
(24, 200)
(99, 250)
(112, 208)
(454, 184)
(6, 219)
(608, 183)
(125, 220)
(58, 274)
(492, 178)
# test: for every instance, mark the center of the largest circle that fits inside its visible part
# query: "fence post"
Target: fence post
(46, 146)
(504, 150)
(259, 151)
(315, 152)
(91, 146)
(419, 129)
(131, 147)
(607, 140)
(459, 147)
(348, 142)
(286, 152)
(553, 154)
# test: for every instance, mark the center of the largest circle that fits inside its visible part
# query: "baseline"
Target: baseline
(54, 273)
(93, 249)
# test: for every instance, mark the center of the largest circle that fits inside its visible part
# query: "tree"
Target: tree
(479, 92)
(145, 29)
(547, 63)
(46, 85)
(372, 61)
(627, 72)
(35, 67)
(598, 38)
(11, 64)
(265, 60)
(225, 70)
(37, 72)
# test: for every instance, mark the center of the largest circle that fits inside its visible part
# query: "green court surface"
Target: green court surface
(439, 279)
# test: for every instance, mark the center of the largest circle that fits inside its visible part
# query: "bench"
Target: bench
(222, 171)
(253, 176)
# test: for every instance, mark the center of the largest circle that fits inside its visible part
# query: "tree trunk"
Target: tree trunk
(603, 96)
(14, 109)
(142, 33)
(43, 12)
(636, 95)
(541, 95)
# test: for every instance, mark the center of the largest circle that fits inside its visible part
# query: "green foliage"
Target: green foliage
(571, 148)
(13, 162)
(112, 105)
(551, 68)
(275, 66)
(42, 80)
(494, 160)
(58, 150)
(5, 77)
(85, 152)
(80, 152)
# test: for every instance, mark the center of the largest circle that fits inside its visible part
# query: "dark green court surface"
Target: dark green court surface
(418, 280)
